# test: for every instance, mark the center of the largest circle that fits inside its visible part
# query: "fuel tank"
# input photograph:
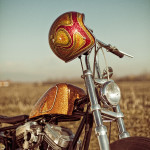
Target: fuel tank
(57, 100)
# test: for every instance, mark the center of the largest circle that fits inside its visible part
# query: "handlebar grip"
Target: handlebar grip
(111, 49)
(115, 51)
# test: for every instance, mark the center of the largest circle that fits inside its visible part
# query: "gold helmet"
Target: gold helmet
(69, 37)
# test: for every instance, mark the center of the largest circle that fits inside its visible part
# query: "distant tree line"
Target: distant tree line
(141, 77)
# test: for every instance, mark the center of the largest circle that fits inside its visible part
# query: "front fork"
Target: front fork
(101, 130)
(122, 130)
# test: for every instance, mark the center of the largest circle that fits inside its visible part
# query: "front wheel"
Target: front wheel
(131, 143)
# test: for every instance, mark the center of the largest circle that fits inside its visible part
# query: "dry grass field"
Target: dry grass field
(135, 104)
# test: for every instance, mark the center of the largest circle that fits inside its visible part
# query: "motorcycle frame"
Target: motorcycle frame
(87, 122)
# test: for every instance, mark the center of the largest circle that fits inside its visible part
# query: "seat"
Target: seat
(14, 119)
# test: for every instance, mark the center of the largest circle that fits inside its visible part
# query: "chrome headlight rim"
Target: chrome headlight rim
(111, 98)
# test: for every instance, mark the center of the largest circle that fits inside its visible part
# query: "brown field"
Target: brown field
(135, 104)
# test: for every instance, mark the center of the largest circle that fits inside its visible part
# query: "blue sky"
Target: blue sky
(25, 54)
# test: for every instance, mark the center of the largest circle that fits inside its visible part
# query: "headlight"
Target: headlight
(111, 93)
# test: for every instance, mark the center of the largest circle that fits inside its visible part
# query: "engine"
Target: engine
(31, 135)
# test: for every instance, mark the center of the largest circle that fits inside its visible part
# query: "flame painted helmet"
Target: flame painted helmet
(69, 37)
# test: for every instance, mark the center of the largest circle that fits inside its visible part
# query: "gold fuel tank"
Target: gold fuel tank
(57, 100)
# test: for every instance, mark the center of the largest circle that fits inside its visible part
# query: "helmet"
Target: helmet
(69, 37)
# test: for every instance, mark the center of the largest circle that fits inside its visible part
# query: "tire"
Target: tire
(131, 143)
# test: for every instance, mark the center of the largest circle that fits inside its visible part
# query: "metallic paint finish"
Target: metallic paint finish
(57, 100)
(69, 37)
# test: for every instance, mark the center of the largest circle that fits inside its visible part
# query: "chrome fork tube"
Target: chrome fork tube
(100, 130)
(122, 130)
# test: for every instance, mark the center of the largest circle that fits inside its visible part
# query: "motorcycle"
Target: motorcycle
(64, 103)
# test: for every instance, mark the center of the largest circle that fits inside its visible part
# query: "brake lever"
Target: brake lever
(126, 54)
(117, 52)
(113, 50)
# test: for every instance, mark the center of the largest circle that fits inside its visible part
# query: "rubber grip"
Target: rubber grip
(115, 51)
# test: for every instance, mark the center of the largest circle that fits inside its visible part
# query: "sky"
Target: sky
(25, 54)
